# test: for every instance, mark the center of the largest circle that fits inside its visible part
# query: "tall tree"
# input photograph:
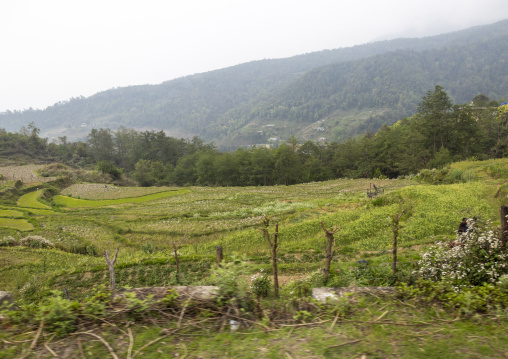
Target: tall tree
(101, 146)
(433, 116)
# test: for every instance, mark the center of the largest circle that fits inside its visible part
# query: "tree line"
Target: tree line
(436, 135)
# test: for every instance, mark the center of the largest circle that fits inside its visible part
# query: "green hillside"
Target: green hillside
(230, 106)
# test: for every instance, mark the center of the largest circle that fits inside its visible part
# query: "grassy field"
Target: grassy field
(146, 223)
(16, 224)
(10, 213)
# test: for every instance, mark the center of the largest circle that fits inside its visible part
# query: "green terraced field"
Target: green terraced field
(16, 224)
(10, 213)
(145, 228)
(30, 200)
(70, 202)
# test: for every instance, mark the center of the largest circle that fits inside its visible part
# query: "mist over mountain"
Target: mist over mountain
(332, 94)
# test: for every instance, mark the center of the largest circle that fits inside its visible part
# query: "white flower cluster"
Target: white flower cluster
(36, 241)
(475, 257)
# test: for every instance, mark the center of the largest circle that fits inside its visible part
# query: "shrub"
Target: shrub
(475, 257)
(8, 242)
(302, 288)
(148, 248)
(55, 170)
(96, 305)
(36, 242)
(455, 175)
(107, 167)
(33, 290)
(431, 176)
(467, 300)
(233, 288)
(260, 284)
(59, 314)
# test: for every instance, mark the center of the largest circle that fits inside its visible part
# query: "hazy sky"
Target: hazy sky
(53, 50)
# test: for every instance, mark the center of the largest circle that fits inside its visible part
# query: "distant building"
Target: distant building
(83, 125)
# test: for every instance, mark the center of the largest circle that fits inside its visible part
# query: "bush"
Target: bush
(261, 284)
(96, 305)
(149, 248)
(58, 314)
(36, 242)
(8, 242)
(455, 175)
(479, 299)
(232, 283)
(474, 258)
(107, 167)
(432, 176)
(55, 170)
(302, 288)
(227, 278)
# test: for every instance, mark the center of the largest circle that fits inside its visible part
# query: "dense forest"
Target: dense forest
(437, 134)
(342, 93)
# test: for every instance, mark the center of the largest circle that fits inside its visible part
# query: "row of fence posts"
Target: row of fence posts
(219, 253)
(273, 243)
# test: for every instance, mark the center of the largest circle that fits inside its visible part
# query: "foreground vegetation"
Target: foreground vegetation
(356, 327)
(62, 247)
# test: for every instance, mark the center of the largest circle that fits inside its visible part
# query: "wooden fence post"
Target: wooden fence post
(220, 255)
(329, 250)
(504, 224)
(176, 247)
(111, 268)
(395, 222)
(273, 246)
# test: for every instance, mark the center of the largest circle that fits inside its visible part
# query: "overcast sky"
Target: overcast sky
(53, 50)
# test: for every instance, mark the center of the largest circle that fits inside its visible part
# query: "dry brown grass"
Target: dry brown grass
(25, 174)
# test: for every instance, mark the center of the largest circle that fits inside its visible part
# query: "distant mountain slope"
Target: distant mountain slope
(231, 105)
(394, 81)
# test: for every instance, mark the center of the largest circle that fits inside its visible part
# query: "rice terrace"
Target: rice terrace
(341, 194)
(53, 240)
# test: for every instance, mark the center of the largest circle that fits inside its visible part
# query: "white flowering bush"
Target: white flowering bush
(474, 258)
(36, 242)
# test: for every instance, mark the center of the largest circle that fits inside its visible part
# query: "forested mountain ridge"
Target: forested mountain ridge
(313, 91)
